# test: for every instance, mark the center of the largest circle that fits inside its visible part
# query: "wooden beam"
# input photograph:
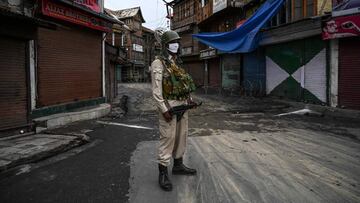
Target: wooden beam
(304, 8)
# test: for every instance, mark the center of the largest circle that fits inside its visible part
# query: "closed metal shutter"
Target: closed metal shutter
(315, 74)
(196, 70)
(214, 72)
(297, 70)
(13, 88)
(231, 71)
(282, 61)
(69, 65)
(349, 73)
(254, 73)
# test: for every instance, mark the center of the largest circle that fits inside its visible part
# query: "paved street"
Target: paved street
(243, 152)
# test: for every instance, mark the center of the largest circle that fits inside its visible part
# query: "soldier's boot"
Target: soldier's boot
(180, 169)
(164, 180)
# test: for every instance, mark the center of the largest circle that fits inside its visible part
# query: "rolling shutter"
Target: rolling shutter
(231, 71)
(297, 70)
(349, 73)
(214, 72)
(69, 66)
(13, 87)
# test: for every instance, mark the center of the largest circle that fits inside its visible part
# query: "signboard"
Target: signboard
(52, 9)
(138, 48)
(209, 53)
(91, 4)
(219, 5)
(186, 51)
(344, 26)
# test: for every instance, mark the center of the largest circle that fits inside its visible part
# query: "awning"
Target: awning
(245, 38)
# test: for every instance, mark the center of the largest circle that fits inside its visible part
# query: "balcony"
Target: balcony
(203, 12)
(181, 23)
(207, 11)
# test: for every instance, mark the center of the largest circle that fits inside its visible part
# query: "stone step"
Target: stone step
(61, 119)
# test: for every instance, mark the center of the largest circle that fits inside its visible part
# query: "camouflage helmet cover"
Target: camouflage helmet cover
(169, 36)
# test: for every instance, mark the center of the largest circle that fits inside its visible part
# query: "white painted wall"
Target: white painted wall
(334, 72)
(32, 65)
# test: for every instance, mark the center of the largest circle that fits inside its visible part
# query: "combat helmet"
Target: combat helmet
(169, 36)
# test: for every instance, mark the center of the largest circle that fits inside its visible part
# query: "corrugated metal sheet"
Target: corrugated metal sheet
(69, 65)
(349, 72)
(196, 70)
(13, 86)
(231, 71)
(254, 78)
(315, 77)
(315, 80)
(214, 72)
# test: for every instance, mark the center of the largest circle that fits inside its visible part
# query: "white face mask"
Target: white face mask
(174, 47)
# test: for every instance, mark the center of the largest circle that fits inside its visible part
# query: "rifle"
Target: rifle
(180, 110)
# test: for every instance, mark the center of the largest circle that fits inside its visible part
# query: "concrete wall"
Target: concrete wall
(334, 72)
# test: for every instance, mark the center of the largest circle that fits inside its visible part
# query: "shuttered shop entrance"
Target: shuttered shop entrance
(254, 78)
(231, 69)
(349, 73)
(214, 72)
(197, 72)
(297, 70)
(69, 66)
(13, 88)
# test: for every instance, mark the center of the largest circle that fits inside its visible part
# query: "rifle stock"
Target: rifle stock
(180, 110)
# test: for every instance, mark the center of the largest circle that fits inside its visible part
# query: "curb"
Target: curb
(324, 110)
(58, 120)
(77, 141)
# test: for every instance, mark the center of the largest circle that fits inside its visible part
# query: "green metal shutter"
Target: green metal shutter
(231, 71)
(282, 60)
(297, 70)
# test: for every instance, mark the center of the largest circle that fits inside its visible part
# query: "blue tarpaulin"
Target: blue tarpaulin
(245, 38)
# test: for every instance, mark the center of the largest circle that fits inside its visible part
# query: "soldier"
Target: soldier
(171, 86)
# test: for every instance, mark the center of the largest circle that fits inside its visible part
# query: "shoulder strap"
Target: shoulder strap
(165, 66)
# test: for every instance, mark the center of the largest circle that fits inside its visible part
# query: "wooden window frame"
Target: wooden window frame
(304, 9)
